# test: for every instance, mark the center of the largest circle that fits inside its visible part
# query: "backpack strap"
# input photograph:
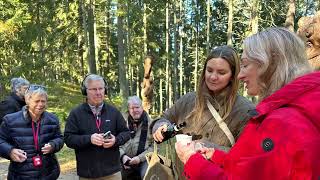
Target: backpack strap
(221, 123)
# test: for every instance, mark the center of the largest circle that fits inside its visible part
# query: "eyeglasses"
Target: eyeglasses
(96, 89)
(34, 87)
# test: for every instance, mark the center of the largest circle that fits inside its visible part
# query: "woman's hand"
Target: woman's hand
(157, 136)
(206, 152)
(47, 148)
(18, 155)
(184, 151)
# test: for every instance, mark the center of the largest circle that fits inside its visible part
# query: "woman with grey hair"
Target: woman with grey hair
(30, 138)
(282, 140)
(15, 101)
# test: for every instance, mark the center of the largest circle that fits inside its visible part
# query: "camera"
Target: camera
(107, 135)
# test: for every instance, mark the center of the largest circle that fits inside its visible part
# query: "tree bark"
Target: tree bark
(175, 55)
(122, 69)
(167, 58)
(91, 32)
(145, 46)
(230, 20)
(208, 27)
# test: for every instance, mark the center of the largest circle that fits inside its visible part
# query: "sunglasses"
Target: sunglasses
(34, 87)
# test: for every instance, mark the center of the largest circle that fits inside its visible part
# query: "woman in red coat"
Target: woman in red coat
(282, 140)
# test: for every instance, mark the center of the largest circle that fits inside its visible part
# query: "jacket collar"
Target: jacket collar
(18, 99)
(87, 108)
(26, 115)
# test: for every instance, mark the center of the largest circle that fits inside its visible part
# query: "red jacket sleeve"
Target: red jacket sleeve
(205, 170)
(218, 157)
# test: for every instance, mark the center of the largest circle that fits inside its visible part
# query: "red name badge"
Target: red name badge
(37, 162)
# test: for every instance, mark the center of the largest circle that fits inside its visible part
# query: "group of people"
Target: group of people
(30, 136)
(277, 139)
(281, 140)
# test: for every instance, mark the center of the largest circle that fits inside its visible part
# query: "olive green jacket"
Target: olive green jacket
(208, 128)
(130, 148)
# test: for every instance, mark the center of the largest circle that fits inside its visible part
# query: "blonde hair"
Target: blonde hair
(281, 57)
(229, 93)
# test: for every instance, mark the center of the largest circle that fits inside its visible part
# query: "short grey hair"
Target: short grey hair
(16, 83)
(93, 77)
(134, 100)
(36, 89)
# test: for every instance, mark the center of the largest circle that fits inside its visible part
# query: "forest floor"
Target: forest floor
(68, 171)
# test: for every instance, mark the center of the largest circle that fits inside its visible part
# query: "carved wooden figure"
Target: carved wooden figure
(309, 31)
(147, 84)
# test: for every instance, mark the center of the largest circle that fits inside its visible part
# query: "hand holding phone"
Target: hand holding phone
(107, 135)
(127, 163)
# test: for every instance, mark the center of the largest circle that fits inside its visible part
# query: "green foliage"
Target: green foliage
(62, 98)
(45, 41)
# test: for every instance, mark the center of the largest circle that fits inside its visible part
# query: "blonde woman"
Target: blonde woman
(218, 84)
(282, 141)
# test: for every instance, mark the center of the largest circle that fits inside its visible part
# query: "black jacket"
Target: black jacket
(13, 103)
(95, 161)
(16, 132)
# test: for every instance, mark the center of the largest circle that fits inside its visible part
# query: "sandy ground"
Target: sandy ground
(68, 171)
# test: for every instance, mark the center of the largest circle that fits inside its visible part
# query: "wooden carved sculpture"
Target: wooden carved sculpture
(309, 31)
(147, 84)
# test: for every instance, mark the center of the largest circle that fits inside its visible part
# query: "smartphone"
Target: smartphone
(127, 162)
(107, 135)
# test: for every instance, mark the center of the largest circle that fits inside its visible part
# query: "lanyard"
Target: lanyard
(35, 134)
(98, 121)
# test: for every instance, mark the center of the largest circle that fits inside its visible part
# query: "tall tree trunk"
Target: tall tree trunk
(40, 35)
(255, 16)
(230, 20)
(167, 57)
(208, 27)
(181, 48)
(92, 53)
(196, 60)
(82, 6)
(137, 80)
(81, 41)
(160, 93)
(128, 46)
(175, 54)
(290, 15)
(145, 47)
(121, 49)
(108, 23)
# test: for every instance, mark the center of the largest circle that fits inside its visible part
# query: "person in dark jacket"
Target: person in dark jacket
(282, 140)
(15, 101)
(30, 138)
(98, 157)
